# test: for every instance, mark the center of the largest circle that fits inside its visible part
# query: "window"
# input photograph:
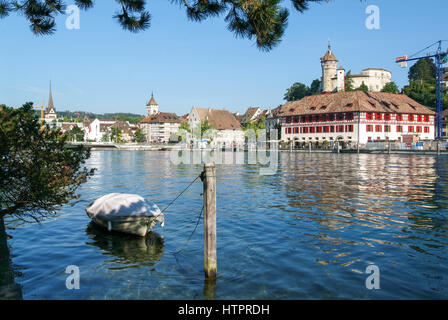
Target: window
(378, 116)
(305, 130)
(340, 128)
(349, 116)
(340, 116)
(378, 128)
(332, 128)
(289, 130)
(399, 117)
(399, 129)
(326, 129)
(411, 118)
(387, 117)
(386, 128)
(411, 129)
(369, 116)
(426, 129)
(288, 119)
(419, 129)
(319, 129)
(349, 128)
(419, 118)
(426, 118)
(369, 128)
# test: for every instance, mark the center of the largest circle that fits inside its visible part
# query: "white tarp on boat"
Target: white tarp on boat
(117, 206)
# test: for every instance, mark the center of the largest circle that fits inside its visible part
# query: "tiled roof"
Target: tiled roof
(161, 117)
(354, 101)
(249, 114)
(329, 56)
(219, 119)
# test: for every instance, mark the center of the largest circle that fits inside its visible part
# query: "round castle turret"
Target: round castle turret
(329, 69)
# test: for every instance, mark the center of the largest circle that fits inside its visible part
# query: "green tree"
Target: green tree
(76, 134)
(363, 87)
(105, 137)
(391, 87)
(296, 92)
(37, 172)
(205, 125)
(262, 20)
(315, 87)
(184, 126)
(139, 136)
(115, 134)
(349, 81)
(424, 93)
(424, 70)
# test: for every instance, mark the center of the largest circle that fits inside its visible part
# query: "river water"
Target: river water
(307, 232)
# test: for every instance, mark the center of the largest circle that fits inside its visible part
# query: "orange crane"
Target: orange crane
(41, 107)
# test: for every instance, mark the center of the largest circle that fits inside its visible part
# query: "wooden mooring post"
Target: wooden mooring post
(210, 260)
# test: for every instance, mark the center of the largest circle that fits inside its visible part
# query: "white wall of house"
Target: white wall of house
(407, 127)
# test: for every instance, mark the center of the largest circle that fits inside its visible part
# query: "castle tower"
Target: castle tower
(329, 71)
(152, 107)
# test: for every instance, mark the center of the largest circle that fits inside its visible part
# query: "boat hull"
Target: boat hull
(139, 226)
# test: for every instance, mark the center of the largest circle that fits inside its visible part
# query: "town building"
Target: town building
(354, 117)
(333, 78)
(159, 127)
(250, 115)
(445, 124)
(229, 129)
(97, 129)
(50, 111)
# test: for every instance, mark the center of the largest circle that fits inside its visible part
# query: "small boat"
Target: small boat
(128, 213)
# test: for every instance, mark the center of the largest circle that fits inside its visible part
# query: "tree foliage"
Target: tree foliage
(76, 134)
(299, 90)
(139, 136)
(391, 87)
(349, 81)
(363, 87)
(115, 134)
(262, 20)
(424, 93)
(37, 172)
(423, 70)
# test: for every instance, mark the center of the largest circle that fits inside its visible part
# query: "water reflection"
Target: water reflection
(381, 197)
(126, 251)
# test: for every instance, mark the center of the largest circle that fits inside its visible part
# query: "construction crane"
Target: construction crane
(440, 58)
(41, 107)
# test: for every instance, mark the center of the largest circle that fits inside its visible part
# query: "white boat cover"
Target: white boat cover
(116, 206)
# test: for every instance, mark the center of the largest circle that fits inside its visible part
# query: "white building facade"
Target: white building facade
(159, 127)
(230, 133)
(355, 117)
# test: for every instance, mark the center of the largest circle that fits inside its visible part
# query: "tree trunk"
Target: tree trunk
(8, 288)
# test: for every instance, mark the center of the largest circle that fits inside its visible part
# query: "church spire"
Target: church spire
(50, 101)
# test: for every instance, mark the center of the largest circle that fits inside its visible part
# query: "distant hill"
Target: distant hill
(131, 117)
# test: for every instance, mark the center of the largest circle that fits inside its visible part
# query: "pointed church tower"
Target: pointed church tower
(152, 107)
(50, 112)
(329, 70)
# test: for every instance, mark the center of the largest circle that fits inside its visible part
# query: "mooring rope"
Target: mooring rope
(191, 183)
(199, 216)
(191, 235)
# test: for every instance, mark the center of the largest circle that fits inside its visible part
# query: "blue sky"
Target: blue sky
(102, 68)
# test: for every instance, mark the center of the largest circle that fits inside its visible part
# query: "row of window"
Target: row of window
(349, 128)
(322, 129)
(348, 116)
(320, 118)
(398, 117)
(387, 128)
